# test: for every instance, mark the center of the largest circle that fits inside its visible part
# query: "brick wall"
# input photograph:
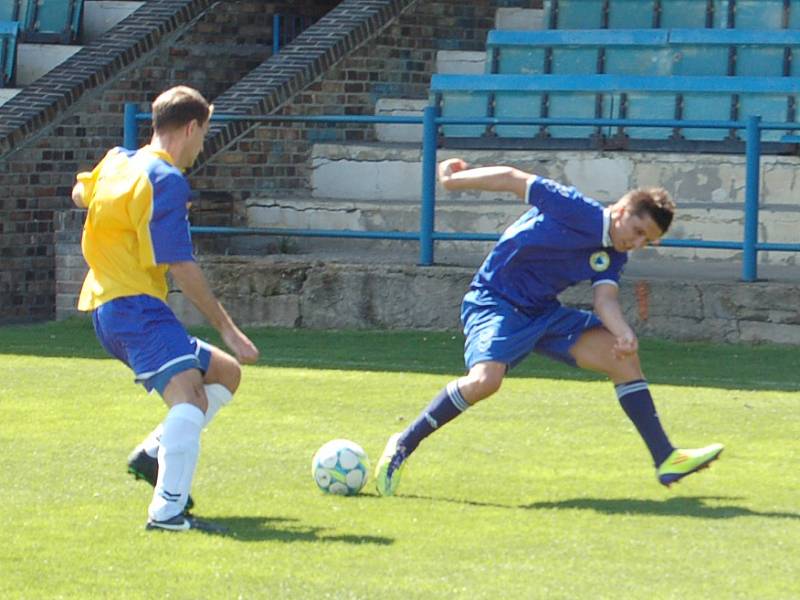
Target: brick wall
(360, 51)
(66, 121)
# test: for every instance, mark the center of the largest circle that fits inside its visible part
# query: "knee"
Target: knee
(230, 375)
(481, 385)
(626, 368)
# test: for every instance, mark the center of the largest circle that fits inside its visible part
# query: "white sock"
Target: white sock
(218, 396)
(177, 458)
(150, 443)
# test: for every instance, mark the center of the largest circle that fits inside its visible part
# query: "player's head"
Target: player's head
(641, 217)
(181, 116)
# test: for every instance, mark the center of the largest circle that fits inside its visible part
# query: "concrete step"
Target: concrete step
(7, 94)
(101, 15)
(393, 172)
(693, 221)
(399, 107)
(520, 19)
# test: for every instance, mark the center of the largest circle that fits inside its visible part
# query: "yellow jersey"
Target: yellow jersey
(137, 224)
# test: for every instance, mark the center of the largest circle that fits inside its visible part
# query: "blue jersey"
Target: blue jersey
(562, 240)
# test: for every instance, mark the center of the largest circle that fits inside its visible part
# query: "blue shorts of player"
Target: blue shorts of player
(498, 331)
(144, 333)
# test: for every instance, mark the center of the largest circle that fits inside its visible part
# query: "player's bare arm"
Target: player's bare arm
(194, 285)
(455, 174)
(607, 307)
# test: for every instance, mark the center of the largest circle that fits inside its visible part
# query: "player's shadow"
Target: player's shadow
(687, 506)
(283, 529)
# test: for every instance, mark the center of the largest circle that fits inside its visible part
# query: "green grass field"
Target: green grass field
(543, 491)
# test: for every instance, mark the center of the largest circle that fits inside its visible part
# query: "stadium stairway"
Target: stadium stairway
(35, 59)
(376, 186)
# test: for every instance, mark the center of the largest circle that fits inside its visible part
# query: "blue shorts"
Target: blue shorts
(498, 331)
(144, 333)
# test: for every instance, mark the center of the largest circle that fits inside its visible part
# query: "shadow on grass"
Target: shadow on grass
(280, 529)
(726, 366)
(689, 506)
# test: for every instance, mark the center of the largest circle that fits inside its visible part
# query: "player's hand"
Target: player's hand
(450, 166)
(625, 345)
(241, 346)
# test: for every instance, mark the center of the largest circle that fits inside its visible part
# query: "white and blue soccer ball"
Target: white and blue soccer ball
(340, 467)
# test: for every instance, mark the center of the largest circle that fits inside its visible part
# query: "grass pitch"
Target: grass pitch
(543, 491)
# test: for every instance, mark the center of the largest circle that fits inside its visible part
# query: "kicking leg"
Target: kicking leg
(482, 381)
(593, 351)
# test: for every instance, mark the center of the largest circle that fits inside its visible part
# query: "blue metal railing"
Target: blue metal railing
(427, 234)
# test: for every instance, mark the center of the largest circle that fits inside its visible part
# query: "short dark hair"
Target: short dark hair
(653, 201)
(179, 106)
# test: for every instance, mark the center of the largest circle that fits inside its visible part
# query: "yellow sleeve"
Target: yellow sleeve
(89, 179)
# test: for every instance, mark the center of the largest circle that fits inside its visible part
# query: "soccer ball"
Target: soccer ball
(340, 467)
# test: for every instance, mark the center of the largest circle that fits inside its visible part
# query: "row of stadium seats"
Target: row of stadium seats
(612, 96)
(641, 14)
(664, 52)
(44, 21)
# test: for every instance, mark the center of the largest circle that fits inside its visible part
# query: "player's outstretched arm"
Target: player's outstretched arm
(607, 307)
(455, 174)
(194, 285)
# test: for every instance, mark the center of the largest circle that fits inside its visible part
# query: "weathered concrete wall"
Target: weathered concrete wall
(292, 292)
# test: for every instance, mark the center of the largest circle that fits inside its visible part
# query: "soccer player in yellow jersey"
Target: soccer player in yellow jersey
(136, 230)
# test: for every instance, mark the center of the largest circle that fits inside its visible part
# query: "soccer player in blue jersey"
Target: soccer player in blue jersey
(511, 308)
(136, 230)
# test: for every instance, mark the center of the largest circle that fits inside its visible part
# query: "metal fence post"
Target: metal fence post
(752, 185)
(130, 136)
(427, 210)
(276, 33)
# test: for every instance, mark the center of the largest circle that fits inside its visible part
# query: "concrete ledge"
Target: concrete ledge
(302, 292)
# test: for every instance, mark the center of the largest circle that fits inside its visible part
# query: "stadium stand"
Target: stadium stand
(637, 14)
(614, 59)
(610, 96)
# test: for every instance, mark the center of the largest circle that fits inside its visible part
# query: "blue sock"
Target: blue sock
(445, 407)
(637, 403)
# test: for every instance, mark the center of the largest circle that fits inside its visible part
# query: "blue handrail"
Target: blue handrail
(427, 234)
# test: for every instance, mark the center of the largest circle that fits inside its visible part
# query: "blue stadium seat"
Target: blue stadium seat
(518, 105)
(516, 59)
(771, 108)
(464, 103)
(637, 52)
(53, 21)
(574, 14)
(758, 14)
(649, 105)
(13, 10)
(794, 14)
(585, 96)
(9, 31)
(574, 104)
(631, 14)
(706, 105)
(574, 60)
(680, 14)
(700, 52)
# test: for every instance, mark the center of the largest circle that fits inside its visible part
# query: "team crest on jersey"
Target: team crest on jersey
(600, 261)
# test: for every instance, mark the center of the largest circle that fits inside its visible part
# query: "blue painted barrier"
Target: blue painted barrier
(427, 234)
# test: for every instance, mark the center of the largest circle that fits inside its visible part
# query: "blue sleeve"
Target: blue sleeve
(571, 209)
(615, 268)
(169, 223)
